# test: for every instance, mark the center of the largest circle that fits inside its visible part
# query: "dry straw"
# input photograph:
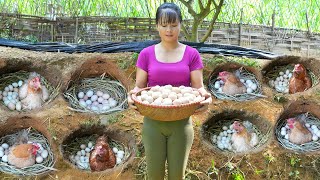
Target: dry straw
(244, 74)
(274, 73)
(216, 128)
(7, 79)
(307, 147)
(114, 88)
(74, 146)
(36, 169)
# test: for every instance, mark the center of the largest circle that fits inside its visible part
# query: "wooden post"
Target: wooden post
(307, 20)
(52, 33)
(76, 33)
(240, 27)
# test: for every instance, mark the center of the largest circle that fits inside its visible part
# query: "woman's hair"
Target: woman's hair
(168, 13)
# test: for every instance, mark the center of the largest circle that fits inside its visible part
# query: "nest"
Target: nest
(36, 169)
(74, 146)
(114, 88)
(10, 78)
(307, 147)
(244, 74)
(274, 73)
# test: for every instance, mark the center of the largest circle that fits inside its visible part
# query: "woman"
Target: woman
(169, 62)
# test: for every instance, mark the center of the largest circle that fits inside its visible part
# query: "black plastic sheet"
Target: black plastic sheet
(114, 47)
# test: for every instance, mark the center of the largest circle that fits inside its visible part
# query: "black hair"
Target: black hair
(168, 13)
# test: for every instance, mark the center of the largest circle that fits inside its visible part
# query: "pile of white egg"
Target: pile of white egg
(10, 96)
(81, 158)
(169, 95)
(281, 83)
(223, 140)
(250, 85)
(41, 155)
(311, 127)
(96, 101)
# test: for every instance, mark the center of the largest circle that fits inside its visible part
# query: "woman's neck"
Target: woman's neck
(169, 46)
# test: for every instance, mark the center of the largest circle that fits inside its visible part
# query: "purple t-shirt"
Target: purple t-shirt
(175, 74)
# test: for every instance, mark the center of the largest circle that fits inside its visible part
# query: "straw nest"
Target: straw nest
(274, 73)
(73, 147)
(36, 169)
(213, 126)
(244, 74)
(307, 147)
(7, 79)
(104, 84)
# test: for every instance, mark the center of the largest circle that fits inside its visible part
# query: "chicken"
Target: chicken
(22, 154)
(298, 133)
(102, 156)
(32, 94)
(232, 84)
(242, 140)
(300, 81)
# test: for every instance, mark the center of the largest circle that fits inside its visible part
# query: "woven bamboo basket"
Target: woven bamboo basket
(165, 112)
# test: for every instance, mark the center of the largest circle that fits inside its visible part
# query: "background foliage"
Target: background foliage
(288, 13)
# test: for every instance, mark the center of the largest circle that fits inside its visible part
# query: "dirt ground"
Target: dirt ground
(271, 162)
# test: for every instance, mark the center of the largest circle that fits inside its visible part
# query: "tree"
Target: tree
(211, 6)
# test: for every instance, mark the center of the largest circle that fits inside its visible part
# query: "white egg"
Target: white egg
(77, 157)
(44, 154)
(249, 82)
(225, 133)
(283, 129)
(89, 93)
(18, 106)
(220, 146)
(242, 80)
(283, 133)
(318, 133)
(16, 90)
(224, 128)
(15, 84)
(217, 85)
(106, 96)
(307, 125)
(88, 154)
(118, 160)
(86, 159)
(287, 71)
(286, 136)
(87, 149)
(79, 153)
(254, 86)
(115, 150)
(281, 73)
(82, 159)
(20, 83)
(94, 108)
(105, 107)
(285, 77)
(100, 99)
(120, 155)
(214, 141)
(219, 138)
(223, 138)
(315, 138)
(82, 146)
(249, 90)
(5, 94)
(1, 153)
(80, 95)
(90, 144)
(114, 102)
(229, 131)
(1, 148)
(82, 103)
(83, 152)
(88, 102)
(314, 127)
(85, 97)
(4, 158)
(11, 106)
(99, 93)
(7, 89)
(94, 98)
(39, 159)
(5, 146)
(290, 75)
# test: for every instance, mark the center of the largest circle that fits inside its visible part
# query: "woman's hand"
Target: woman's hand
(130, 101)
(205, 103)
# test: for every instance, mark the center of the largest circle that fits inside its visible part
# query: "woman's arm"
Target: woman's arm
(197, 82)
(141, 82)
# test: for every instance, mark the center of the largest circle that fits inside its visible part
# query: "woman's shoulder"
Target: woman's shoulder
(190, 49)
(148, 50)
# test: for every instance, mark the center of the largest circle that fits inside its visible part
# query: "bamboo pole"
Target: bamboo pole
(240, 27)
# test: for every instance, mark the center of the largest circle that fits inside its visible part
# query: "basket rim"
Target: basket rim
(134, 98)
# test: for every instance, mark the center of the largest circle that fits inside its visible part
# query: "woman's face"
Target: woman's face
(169, 32)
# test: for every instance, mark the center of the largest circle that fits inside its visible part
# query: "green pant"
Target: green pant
(169, 141)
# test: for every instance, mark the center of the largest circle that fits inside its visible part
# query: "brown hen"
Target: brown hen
(300, 81)
(102, 156)
(232, 84)
(299, 133)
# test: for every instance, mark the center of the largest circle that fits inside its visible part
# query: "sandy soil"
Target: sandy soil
(271, 162)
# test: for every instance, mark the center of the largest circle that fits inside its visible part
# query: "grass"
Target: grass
(216, 60)
(124, 63)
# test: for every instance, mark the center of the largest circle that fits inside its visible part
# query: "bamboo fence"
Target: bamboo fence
(96, 29)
